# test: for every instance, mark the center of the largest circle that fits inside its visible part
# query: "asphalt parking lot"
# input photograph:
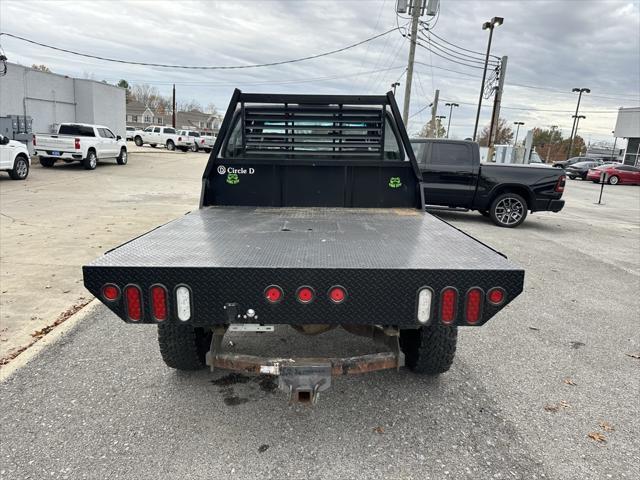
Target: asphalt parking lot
(528, 396)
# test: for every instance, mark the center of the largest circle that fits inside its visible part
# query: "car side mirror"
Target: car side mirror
(118, 137)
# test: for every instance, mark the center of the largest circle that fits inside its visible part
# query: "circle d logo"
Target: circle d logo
(222, 170)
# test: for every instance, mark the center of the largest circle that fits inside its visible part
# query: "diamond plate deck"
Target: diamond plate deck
(309, 238)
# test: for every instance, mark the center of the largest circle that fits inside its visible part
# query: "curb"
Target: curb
(50, 339)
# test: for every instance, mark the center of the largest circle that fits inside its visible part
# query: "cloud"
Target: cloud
(555, 45)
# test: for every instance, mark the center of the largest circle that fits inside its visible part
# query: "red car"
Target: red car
(615, 174)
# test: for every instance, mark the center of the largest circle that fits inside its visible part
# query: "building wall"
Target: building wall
(51, 99)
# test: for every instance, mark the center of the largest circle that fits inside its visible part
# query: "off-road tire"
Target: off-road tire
(614, 180)
(91, 162)
(429, 350)
(20, 169)
(183, 347)
(138, 141)
(47, 162)
(123, 157)
(170, 145)
(499, 213)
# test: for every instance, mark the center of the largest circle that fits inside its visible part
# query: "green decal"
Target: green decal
(232, 178)
(394, 182)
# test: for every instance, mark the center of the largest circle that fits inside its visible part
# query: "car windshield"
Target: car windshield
(583, 164)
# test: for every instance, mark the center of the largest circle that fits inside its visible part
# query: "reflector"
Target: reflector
(424, 305)
(183, 303)
(337, 294)
(273, 294)
(496, 296)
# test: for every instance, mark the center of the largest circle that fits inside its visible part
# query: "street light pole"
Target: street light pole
(574, 129)
(450, 105)
(576, 121)
(495, 21)
(614, 157)
(515, 142)
(394, 85)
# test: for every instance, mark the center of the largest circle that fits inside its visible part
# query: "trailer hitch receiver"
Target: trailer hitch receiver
(303, 382)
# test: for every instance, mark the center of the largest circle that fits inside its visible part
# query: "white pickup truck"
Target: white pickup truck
(80, 142)
(196, 142)
(156, 135)
(207, 140)
(14, 158)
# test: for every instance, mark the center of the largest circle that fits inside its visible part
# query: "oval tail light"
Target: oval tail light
(133, 302)
(473, 306)
(448, 305)
(159, 303)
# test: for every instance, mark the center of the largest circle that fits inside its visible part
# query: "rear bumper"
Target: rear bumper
(552, 205)
(62, 156)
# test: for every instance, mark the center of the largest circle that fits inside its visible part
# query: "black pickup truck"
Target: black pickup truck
(454, 177)
(311, 215)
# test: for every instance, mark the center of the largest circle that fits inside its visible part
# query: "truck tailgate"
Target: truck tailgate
(48, 142)
(230, 255)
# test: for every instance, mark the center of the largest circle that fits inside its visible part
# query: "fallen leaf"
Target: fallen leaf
(597, 436)
(633, 355)
(534, 328)
(379, 429)
(568, 381)
(551, 408)
(606, 426)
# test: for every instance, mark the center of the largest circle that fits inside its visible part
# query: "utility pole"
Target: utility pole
(415, 18)
(490, 25)
(173, 108)
(493, 129)
(434, 107)
(450, 105)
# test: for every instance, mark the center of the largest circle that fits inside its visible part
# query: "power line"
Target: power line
(596, 112)
(480, 54)
(447, 58)
(456, 55)
(196, 67)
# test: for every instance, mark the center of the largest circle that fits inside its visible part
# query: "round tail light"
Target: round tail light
(273, 294)
(110, 292)
(337, 294)
(496, 296)
(305, 294)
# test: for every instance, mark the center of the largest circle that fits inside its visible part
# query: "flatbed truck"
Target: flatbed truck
(311, 215)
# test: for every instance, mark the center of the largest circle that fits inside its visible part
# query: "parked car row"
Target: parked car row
(171, 138)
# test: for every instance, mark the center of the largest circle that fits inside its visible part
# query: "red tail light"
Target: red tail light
(496, 296)
(561, 183)
(179, 139)
(110, 292)
(448, 305)
(273, 294)
(337, 294)
(305, 294)
(473, 306)
(133, 299)
(159, 303)
(34, 140)
(77, 144)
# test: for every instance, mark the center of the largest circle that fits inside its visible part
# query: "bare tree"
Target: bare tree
(429, 130)
(42, 68)
(211, 109)
(147, 95)
(188, 106)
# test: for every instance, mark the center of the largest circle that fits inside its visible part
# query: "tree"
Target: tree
(188, 106)
(503, 136)
(549, 144)
(124, 84)
(147, 95)
(41, 68)
(429, 130)
(211, 109)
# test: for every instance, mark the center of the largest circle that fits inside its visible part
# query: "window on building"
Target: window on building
(129, 118)
(147, 119)
(134, 118)
(159, 121)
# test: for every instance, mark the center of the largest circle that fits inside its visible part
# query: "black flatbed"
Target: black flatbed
(308, 238)
(381, 256)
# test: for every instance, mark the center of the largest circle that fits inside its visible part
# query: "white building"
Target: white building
(50, 99)
(628, 126)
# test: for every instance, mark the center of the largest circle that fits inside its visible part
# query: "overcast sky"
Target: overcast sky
(552, 45)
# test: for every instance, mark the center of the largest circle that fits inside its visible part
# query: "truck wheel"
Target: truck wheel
(194, 148)
(429, 350)
(47, 162)
(138, 141)
(183, 347)
(508, 210)
(122, 158)
(207, 150)
(20, 168)
(91, 161)
(170, 145)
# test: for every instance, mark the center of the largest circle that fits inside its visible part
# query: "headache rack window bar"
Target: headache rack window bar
(327, 131)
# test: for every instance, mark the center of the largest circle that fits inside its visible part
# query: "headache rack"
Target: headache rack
(329, 131)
